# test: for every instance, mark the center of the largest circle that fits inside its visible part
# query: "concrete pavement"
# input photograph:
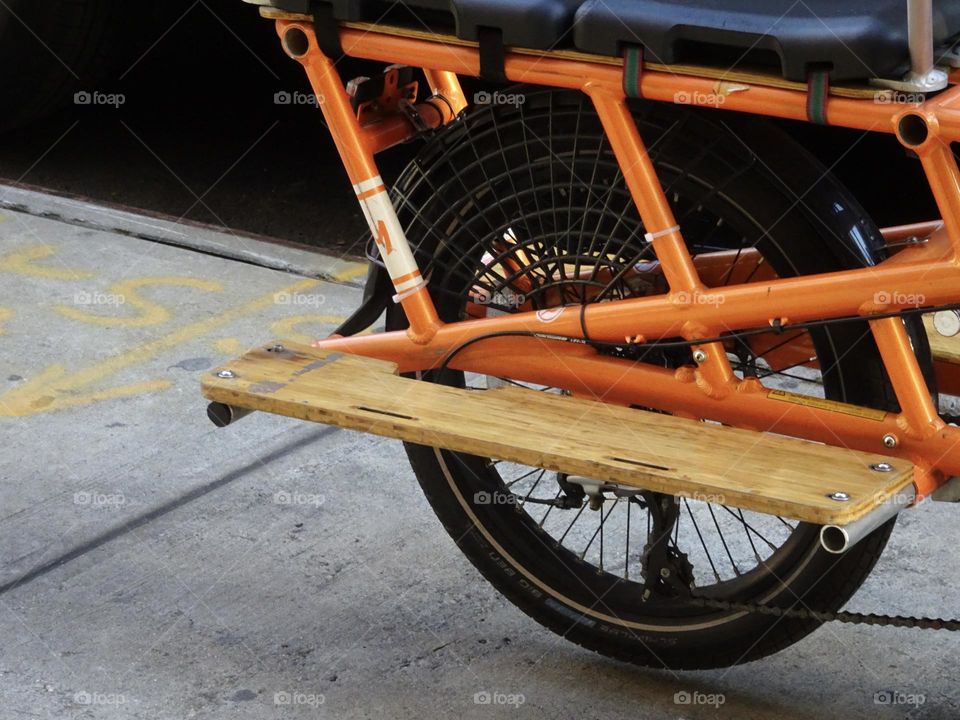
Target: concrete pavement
(156, 567)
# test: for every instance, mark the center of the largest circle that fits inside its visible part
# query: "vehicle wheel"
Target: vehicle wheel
(526, 205)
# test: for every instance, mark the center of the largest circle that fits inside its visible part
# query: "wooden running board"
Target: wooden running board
(756, 471)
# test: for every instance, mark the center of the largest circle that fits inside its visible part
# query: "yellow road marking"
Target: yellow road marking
(124, 293)
(228, 346)
(22, 261)
(55, 380)
(350, 273)
(5, 314)
(55, 389)
(287, 328)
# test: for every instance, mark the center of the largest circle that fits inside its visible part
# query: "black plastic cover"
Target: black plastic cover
(855, 40)
(536, 24)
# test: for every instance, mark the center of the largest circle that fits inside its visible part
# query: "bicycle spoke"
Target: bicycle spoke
(522, 477)
(626, 554)
(702, 542)
(572, 523)
(539, 478)
(750, 527)
(723, 540)
(600, 527)
(749, 537)
(551, 507)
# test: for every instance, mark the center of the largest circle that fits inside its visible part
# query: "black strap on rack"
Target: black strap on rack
(492, 54)
(818, 90)
(632, 70)
(325, 28)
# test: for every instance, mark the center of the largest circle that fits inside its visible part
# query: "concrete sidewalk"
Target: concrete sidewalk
(156, 567)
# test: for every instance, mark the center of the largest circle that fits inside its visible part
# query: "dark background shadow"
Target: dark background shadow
(200, 136)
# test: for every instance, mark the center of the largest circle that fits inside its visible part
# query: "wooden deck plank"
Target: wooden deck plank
(757, 471)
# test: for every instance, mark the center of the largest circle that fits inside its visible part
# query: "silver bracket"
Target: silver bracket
(593, 488)
(924, 76)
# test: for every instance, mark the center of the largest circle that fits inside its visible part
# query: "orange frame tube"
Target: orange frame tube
(711, 390)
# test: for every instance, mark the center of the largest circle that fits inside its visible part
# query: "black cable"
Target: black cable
(687, 343)
(445, 101)
(505, 333)
(583, 321)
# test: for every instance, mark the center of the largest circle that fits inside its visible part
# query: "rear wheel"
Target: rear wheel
(526, 207)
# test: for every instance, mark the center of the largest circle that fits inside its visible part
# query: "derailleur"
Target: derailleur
(666, 570)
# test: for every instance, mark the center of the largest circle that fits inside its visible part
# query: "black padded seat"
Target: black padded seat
(536, 24)
(854, 40)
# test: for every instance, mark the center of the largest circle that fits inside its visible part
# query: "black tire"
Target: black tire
(453, 191)
(53, 49)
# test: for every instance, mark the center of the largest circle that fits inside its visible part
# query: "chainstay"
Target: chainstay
(853, 618)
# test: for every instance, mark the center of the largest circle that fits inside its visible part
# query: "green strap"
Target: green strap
(818, 90)
(632, 69)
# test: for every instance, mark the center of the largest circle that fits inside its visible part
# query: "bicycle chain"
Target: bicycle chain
(853, 618)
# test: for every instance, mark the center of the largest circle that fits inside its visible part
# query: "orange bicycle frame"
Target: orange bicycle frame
(549, 354)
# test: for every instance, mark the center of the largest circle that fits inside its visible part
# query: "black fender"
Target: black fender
(827, 202)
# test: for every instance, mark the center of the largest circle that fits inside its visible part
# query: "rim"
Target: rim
(536, 234)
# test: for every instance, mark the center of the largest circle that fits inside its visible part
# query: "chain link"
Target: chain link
(853, 618)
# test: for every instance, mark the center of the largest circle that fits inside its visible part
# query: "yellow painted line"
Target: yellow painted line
(5, 314)
(288, 327)
(54, 388)
(355, 271)
(43, 403)
(22, 262)
(228, 346)
(121, 294)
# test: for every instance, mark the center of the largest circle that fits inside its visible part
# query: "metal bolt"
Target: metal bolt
(699, 356)
(839, 496)
(226, 374)
(664, 572)
(890, 441)
(276, 348)
(947, 322)
(882, 467)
